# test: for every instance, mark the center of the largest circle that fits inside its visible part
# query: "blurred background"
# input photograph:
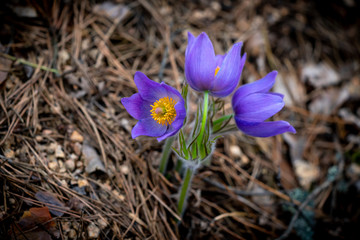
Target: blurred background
(70, 170)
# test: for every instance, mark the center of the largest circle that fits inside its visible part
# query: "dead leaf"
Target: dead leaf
(346, 113)
(80, 85)
(25, 11)
(306, 172)
(76, 137)
(51, 200)
(262, 200)
(288, 85)
(75, 204)
(328, 100)
(319, 75)
(5, 65)
(111, 10)
(92, 159)
(40, 221)
(34, 217)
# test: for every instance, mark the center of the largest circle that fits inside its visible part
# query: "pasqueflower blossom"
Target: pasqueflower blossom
(159, 108)
(253, 104)
(205, 71)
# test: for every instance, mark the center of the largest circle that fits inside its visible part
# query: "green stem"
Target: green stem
(178, 166)
(203, 122)
(185, 187)
(166, 154)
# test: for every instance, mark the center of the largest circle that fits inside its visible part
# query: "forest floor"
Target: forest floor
(65, 137)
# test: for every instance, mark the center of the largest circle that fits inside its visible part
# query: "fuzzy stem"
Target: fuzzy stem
(178, 166)
(203, 121)
(166, 154)
(185, 187)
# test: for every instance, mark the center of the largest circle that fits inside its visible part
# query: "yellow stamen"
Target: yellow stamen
(217, 70)
(163, 110)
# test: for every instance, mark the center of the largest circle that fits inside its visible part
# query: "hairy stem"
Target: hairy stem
(185, 187)
(203, 123)
(166, 154)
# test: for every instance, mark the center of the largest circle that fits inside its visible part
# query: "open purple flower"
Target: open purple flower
(253, 104)
(159, 108)
(204, 71)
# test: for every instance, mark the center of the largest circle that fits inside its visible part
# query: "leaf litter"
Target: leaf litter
(65, 138)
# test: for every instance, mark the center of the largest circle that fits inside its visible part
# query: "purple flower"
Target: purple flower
(159, 108)
(253, 104)
(204, 71)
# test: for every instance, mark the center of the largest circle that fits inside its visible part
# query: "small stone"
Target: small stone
(70, 165)
(235, 151)
(82, 182)
(93, 231)
(102, 223)
(32, 160)
(12, 201)
(77, 147)
(245, 160)
(52, 147)
(125, 124)
(73, 157)
(64, 183)
(353, 171)
(61, 166)
(66, 226)
(53, 165)
(120, 196)
(124, 169)
(9, 153)
(107, 185)
(63, 56)
(59, 153)
(51, 158)
(72, 234)
(262, 200)
(76, 137)
(47, 132)
(79, 164)
(215, 6)
(38, 138)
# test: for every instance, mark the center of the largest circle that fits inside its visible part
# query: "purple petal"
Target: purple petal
(148, 89)
(191, 40)
(264, 129)
(148, 127)
(172, 92)
(136, 106)
(262, 85)
(277, 94)
(229, 74)
(219, 59)
(178, 122)
(200, 64)
(257, 107)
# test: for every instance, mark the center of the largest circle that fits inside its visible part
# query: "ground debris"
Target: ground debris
(65, 137)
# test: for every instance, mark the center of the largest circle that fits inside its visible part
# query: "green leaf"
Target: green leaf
(183, 146)
(222, 122)
(196, 122)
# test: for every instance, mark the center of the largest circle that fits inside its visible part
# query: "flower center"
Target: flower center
(163, 110)
(217, 70)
